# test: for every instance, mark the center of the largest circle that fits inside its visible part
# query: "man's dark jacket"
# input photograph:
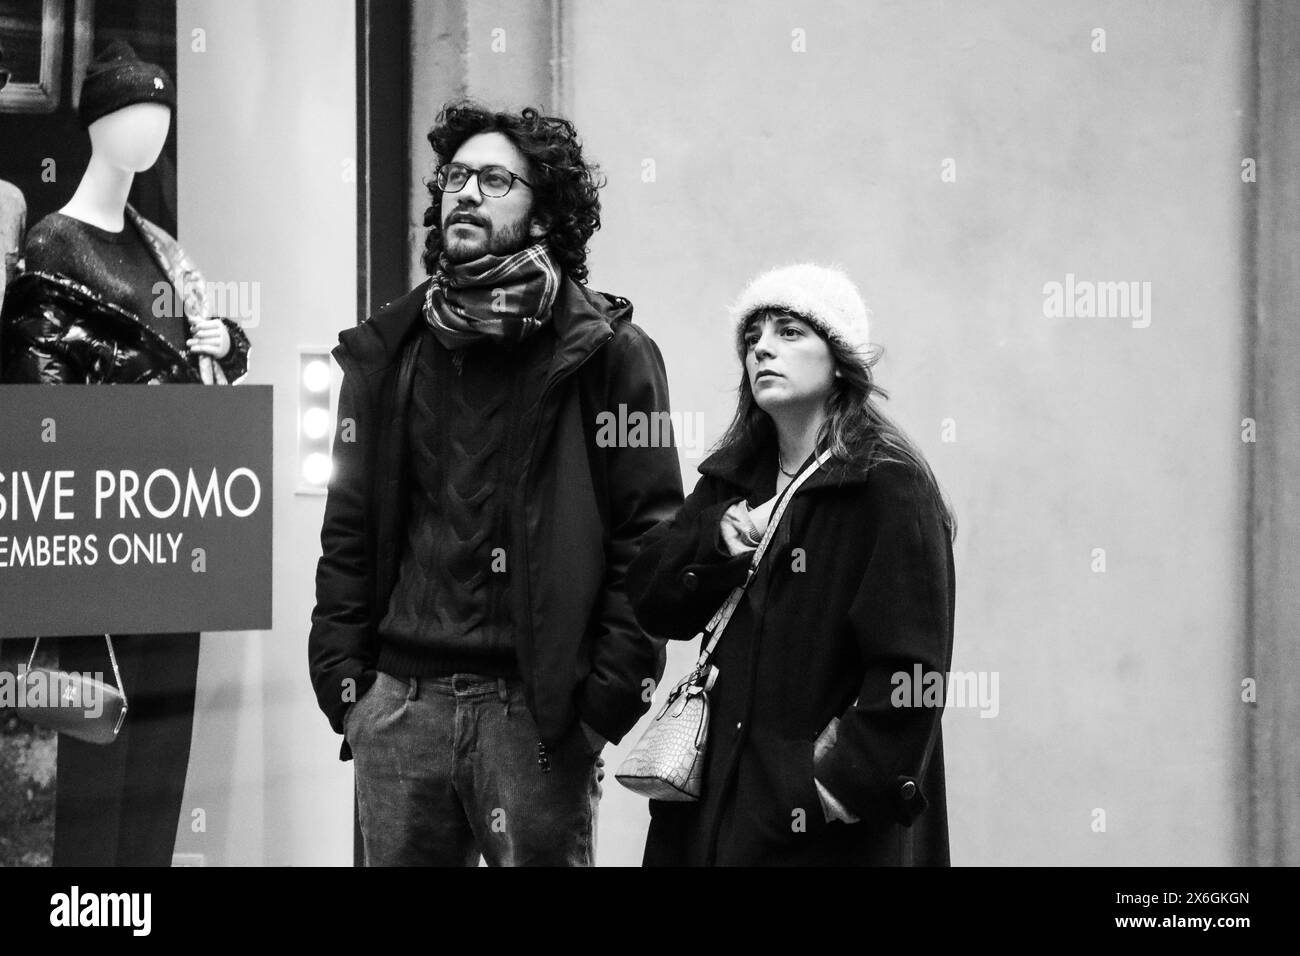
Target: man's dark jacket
(576, 510)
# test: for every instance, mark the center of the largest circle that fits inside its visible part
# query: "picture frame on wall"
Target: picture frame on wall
(83, 41)
(32, 32)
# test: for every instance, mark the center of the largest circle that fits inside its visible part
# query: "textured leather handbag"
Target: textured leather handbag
(667, 763)
(75, 704)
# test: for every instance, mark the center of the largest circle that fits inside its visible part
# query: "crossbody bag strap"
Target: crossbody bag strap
(718, 623)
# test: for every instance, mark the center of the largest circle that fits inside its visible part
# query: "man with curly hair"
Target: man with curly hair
(472, 638)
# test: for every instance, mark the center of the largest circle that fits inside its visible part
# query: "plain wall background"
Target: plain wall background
(267, 135)
(1118, 690)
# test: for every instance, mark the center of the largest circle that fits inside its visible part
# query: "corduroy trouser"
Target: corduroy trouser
(449, 769)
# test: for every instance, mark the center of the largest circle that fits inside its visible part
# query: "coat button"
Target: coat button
(908, 790)
(691, 581)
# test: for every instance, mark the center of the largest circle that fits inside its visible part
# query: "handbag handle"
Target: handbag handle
(117, 676)
(718, 623)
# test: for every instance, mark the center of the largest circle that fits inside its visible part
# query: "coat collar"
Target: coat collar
(759, 474)
(583, 320)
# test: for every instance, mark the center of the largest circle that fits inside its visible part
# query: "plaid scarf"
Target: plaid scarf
(499, 299)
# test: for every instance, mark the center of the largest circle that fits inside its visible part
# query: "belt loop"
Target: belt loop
(503, 691)
(413, 693)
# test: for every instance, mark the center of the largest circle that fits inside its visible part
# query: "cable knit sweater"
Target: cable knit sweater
(449, 612)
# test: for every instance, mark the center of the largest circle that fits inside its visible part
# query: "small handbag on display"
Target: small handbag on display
(667, 763)
(69, 699)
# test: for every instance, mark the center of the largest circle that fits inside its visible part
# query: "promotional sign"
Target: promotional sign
(134, 510)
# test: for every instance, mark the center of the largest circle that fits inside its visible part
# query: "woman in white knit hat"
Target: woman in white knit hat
(815, 754)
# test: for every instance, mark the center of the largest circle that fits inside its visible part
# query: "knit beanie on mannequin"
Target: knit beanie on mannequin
(118, 78)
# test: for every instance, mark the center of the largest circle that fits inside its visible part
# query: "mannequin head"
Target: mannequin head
(131, 138)
(126, 107)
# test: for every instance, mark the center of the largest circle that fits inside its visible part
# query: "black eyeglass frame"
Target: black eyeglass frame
(439, 178)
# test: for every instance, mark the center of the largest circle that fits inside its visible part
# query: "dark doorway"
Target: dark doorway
(383, 104)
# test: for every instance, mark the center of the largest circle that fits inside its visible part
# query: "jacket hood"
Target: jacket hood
(583, 319)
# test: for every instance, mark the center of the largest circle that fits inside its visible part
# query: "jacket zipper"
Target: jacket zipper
(544, 751)
(349, 365)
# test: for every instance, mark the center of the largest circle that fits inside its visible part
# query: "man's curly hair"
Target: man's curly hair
(564, 186)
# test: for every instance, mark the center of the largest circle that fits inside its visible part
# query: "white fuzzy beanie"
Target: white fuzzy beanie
(824, 295)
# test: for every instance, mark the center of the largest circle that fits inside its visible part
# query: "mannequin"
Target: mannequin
(94, 267)
(86, 311)
(13, 213)
(13, 220)
(108, 257)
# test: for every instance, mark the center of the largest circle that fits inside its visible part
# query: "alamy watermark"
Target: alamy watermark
(638, 429)
(922, 688)
(42, 688)
(1084, 299)
(241, 302)
(74, 908)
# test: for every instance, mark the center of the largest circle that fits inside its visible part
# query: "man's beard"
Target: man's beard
(500, 242)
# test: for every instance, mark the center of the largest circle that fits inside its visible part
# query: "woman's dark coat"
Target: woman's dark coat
(856, 588)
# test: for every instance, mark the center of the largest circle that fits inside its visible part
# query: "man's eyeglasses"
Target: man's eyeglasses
(493, 181)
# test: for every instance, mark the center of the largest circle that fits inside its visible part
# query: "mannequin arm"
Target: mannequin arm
(235, 362)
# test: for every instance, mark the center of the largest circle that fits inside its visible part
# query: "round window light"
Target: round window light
(316, 375)
(316, 468)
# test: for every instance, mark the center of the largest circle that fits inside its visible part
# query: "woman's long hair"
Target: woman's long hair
(859, 435)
